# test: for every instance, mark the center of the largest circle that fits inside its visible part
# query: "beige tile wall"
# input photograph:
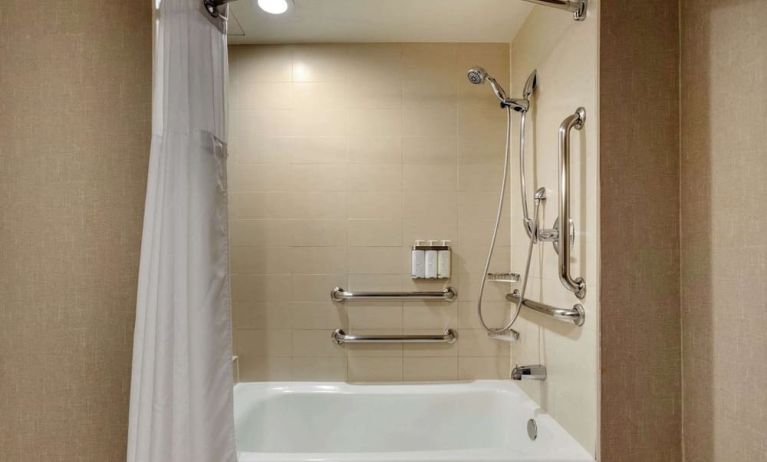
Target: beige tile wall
(75, 93)
(724, 230)
(342, 156)
(566, 80)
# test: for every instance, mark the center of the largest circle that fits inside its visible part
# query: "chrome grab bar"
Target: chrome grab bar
(575, 315)
(341, 337)
(339, 295)
(576, 7)
(565, 235)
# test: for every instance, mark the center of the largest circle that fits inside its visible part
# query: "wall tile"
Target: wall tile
(375, 369)
(261, 315)
(260, 260)
(316, 315)
(317, 260)
(488, 367)
(375, 233)
(375, 149)
(366, 177)
(320, 369)
(315, 343)
(430, 177)
(371, 205)
(377, 260)
(252, 342)
(430, 369)
(318, 233)
(331, 184)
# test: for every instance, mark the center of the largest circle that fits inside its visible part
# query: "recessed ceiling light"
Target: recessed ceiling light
(273, 6)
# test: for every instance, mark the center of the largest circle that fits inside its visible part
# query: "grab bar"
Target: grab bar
(564, 241)
(341, 337)
(339, 295)
(575, 315)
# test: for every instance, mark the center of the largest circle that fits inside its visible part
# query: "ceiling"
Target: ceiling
(318, 21)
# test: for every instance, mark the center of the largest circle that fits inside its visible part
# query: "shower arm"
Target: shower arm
(577, 7)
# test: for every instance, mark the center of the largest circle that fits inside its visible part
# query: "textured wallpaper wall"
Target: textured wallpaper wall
(639, 228)
(724, 220)
(75, 91)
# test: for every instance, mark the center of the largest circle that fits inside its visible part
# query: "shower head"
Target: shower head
(478, 75)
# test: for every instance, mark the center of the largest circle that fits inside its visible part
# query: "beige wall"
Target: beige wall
(639, 206)
(75, 89)
(724, 219)
(566, 80)
(342, 156)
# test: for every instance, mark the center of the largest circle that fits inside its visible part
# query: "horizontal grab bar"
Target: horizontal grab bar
(575, 315)
(339, 295)
(341, 337)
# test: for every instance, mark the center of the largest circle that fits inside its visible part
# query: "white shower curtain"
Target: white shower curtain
(181, 388)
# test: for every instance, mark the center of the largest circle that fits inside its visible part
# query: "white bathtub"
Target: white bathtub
(460, 422)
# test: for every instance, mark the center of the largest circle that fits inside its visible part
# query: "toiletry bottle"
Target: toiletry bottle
(443, 260)
(431, 260)
(418, 260)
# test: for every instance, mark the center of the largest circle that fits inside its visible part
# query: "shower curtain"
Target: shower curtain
(181, 387)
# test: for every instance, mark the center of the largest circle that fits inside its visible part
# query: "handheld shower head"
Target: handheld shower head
(478, 75)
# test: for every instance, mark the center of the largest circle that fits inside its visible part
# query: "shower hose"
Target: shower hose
(507, 330)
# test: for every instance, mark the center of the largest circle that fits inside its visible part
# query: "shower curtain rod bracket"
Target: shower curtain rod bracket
(211, 6)
(577, 7)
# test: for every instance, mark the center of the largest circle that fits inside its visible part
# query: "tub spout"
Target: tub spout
(533, 372)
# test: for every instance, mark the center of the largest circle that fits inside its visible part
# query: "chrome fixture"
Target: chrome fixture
(503, 277)
(508, 335)
(532, 429)
(565, 237)
(212, 7)
(448, 294)
(341, 337)
(577, 7)
(478, 76)
(575, 315)
(533, 372)
(564, 228)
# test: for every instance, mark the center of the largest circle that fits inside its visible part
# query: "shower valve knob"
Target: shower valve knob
(555, 241)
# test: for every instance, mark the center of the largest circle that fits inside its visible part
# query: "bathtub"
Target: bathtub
(338, 422)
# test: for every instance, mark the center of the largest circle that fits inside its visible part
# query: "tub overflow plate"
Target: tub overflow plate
(532, 429)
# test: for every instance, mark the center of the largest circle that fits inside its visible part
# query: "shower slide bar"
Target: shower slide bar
(576, 7)
(575, 315)
(449, 294)
(341, 337)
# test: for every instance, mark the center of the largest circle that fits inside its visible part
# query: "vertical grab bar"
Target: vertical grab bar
(575, 285)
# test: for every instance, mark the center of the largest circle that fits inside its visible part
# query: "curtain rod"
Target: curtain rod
(577, 7)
